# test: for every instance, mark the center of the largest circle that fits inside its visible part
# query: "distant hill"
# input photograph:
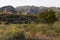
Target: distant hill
(7, 9)
(27, 9)
(30, 9)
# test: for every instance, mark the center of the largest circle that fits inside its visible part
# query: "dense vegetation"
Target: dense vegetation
(17, 18)
(41, 26)
(47, 16)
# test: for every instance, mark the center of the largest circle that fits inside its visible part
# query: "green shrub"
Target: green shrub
(13, 33)
(47, 16)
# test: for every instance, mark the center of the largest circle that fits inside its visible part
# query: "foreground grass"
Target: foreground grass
(30, 31)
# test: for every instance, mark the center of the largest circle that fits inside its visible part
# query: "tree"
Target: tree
(47, 16)
(58, 15)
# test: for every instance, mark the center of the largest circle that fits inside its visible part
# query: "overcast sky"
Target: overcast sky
(30, 3)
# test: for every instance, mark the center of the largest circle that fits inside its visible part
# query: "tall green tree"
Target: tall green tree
(47, 16)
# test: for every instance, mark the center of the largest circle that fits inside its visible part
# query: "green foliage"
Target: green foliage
(57, 15)
(14, 34)
(17, 31)
(47, 16)
(11, 32)
(22, 31)
(9, 18)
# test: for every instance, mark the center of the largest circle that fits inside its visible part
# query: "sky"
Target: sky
(15, 3)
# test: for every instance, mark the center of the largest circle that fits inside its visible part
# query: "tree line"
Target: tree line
(48, 16)
(17, 18)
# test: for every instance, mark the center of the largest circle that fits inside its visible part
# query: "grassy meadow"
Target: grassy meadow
(30, 31)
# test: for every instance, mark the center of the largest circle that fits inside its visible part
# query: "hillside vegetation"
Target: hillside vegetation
(41, 26)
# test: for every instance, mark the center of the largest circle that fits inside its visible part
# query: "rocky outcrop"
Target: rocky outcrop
(7, 9)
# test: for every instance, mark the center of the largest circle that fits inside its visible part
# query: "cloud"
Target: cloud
(30, 2)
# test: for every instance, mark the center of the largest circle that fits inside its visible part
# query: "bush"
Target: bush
(47, 16)
(14, 34)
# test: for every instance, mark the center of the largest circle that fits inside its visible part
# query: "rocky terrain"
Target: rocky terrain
(27, 9)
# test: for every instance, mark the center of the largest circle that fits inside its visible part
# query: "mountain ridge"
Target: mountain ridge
(27, 9)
